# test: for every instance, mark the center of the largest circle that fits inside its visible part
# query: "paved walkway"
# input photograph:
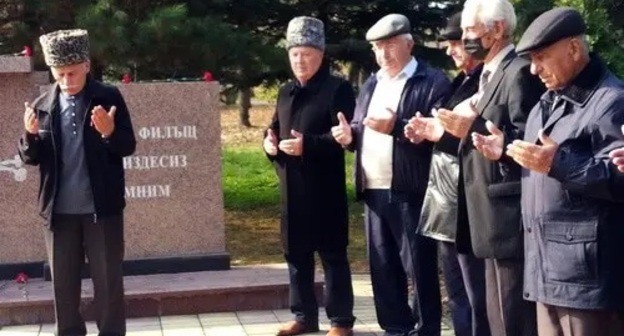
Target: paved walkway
(252, 323)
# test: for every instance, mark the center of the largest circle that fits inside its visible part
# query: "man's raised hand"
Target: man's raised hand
(31, 123)
(270, 143)
(103, 121)
(491, 146)
(342, 132)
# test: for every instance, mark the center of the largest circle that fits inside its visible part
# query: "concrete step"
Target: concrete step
(263, 287)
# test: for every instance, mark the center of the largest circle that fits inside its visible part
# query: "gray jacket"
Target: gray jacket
(573, 223)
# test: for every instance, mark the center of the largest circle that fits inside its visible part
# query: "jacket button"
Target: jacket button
(526, 294)
(569, 237)
(529, 230)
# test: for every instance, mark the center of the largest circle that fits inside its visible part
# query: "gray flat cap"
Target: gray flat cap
(388, 26)
(550, 27)
(453, 30)
(305, 31)
(65, 47)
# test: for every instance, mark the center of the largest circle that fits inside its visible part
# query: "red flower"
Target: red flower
(208, 76)
(21, 278)
(126, 79)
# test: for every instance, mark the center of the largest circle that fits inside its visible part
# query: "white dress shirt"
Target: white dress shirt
(377, 147)
(494, 63)
(490, 68)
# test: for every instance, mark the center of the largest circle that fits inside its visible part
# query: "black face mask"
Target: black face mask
(474, 47)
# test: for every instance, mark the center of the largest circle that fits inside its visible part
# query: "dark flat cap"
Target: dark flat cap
(453, 31)
(550, 27)
(388, 26)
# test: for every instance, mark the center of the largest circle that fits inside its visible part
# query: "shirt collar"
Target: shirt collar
(407, 71)
(492, 65)
(67, 97)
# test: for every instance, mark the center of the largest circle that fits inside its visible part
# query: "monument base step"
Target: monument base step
(198, 263)
(260, 287)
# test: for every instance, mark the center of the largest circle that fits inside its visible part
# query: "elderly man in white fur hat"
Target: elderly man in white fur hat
(310, 165)
(77, 133)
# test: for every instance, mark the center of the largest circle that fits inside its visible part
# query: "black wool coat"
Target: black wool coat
(313, 193)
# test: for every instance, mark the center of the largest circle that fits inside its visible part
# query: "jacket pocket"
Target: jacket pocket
(504, 189)
(571, 251)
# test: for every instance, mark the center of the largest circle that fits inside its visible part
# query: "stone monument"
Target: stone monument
(21, 238)
(174, 215)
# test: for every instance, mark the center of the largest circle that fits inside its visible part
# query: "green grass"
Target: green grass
(251, 195)
(249, 180)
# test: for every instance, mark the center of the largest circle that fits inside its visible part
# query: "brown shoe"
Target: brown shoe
(296, 328)
(340, 331)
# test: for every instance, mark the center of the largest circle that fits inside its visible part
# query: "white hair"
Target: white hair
(488, 12)
(584, 43)
(408, 37)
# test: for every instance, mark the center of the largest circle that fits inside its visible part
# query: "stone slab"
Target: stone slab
(173, 181)
(16, 64)
(174, 191)
(238, 289)
(21, 239)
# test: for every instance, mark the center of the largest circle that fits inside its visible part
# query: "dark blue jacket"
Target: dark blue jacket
(426, 89)
(104, 156)
(573, 223)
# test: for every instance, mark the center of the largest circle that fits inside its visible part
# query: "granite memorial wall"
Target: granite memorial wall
(174, 215)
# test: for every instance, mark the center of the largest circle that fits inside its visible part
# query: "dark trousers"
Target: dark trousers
(338, 294)
(508, 313)
(396, 253)
(71, 238)
(464, 276)
(562, 321)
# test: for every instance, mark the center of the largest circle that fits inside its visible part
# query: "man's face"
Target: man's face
(305, 62)
(463, 61)
(556, 65)
(489, 36)
(393, 54)
(475, 29)
(71, 78)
